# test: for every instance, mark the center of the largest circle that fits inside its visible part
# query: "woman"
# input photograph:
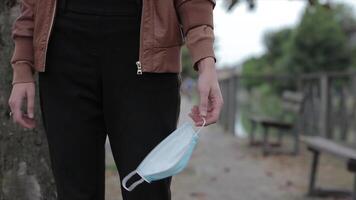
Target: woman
(110, 68)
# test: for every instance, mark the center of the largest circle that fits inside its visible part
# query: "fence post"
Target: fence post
(324, 106)
(231, 106)
(353, 91)
(301, 118)
(223, 115)
(221, 83)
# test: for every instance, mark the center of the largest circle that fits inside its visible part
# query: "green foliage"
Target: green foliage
(276, 44)
(322, 41)
(254, 67)
(273, 62)
(353, 56)
(319, 43)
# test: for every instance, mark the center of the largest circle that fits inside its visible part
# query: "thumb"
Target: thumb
(203, 106)
(30, 103)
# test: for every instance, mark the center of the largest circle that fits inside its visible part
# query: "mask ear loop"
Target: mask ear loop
(124, 181)
(202, 126)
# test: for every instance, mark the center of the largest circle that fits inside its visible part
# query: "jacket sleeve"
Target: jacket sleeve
(22, 34)
(196, 19)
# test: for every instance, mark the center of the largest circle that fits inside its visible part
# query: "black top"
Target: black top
(103, 7)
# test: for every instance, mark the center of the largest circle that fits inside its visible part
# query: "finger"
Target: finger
(195, 120)
(18, 116)
(30, 103)
(12, 108)
(210, 108)
(203, 106)
(194, 117)
(199, 120)
(213, 116)
(30, 122)
(195, 110)
(26, 122)
(209, 119)
(17, 113)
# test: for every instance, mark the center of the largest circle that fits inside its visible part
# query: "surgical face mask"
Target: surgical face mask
(168, 158)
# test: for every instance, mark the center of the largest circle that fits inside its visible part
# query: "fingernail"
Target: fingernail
(30, 115)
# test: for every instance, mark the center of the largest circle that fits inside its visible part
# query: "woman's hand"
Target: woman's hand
(211, 100)
(21, 91)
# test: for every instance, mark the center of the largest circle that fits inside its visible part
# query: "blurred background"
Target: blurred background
(287, 71)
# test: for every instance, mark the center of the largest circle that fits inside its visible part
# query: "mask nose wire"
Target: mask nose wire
(202, 126)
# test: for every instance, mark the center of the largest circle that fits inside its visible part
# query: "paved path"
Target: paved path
(224, 168)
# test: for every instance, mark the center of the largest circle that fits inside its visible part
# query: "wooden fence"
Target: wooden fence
(329, 108)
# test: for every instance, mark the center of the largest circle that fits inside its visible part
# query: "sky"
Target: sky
(239, 33)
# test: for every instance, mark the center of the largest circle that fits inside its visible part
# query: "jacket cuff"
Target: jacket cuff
(200, 43)
(22, 72)
(23, 49)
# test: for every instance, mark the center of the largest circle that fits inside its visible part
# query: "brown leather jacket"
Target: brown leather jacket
(165, 26)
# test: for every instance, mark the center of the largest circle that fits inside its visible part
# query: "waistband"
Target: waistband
(99, 7)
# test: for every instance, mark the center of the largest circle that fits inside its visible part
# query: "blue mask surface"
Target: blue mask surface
(168, 158)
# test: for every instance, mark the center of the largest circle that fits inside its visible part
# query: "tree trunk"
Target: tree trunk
(25, 172)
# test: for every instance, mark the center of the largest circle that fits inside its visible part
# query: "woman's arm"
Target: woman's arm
(22, 64)
(22, 34)
(196, 17)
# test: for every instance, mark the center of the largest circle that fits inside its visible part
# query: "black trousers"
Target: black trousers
(90, 90)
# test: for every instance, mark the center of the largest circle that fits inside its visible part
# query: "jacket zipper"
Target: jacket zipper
(49, 33)
(139, 68)
(138, 63)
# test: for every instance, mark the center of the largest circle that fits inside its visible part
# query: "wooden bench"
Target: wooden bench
(318, 145)
(291, 103)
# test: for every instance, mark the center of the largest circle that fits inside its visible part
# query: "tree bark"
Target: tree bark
(25, 172)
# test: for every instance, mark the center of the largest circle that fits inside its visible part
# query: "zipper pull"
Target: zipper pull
(139, 68)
